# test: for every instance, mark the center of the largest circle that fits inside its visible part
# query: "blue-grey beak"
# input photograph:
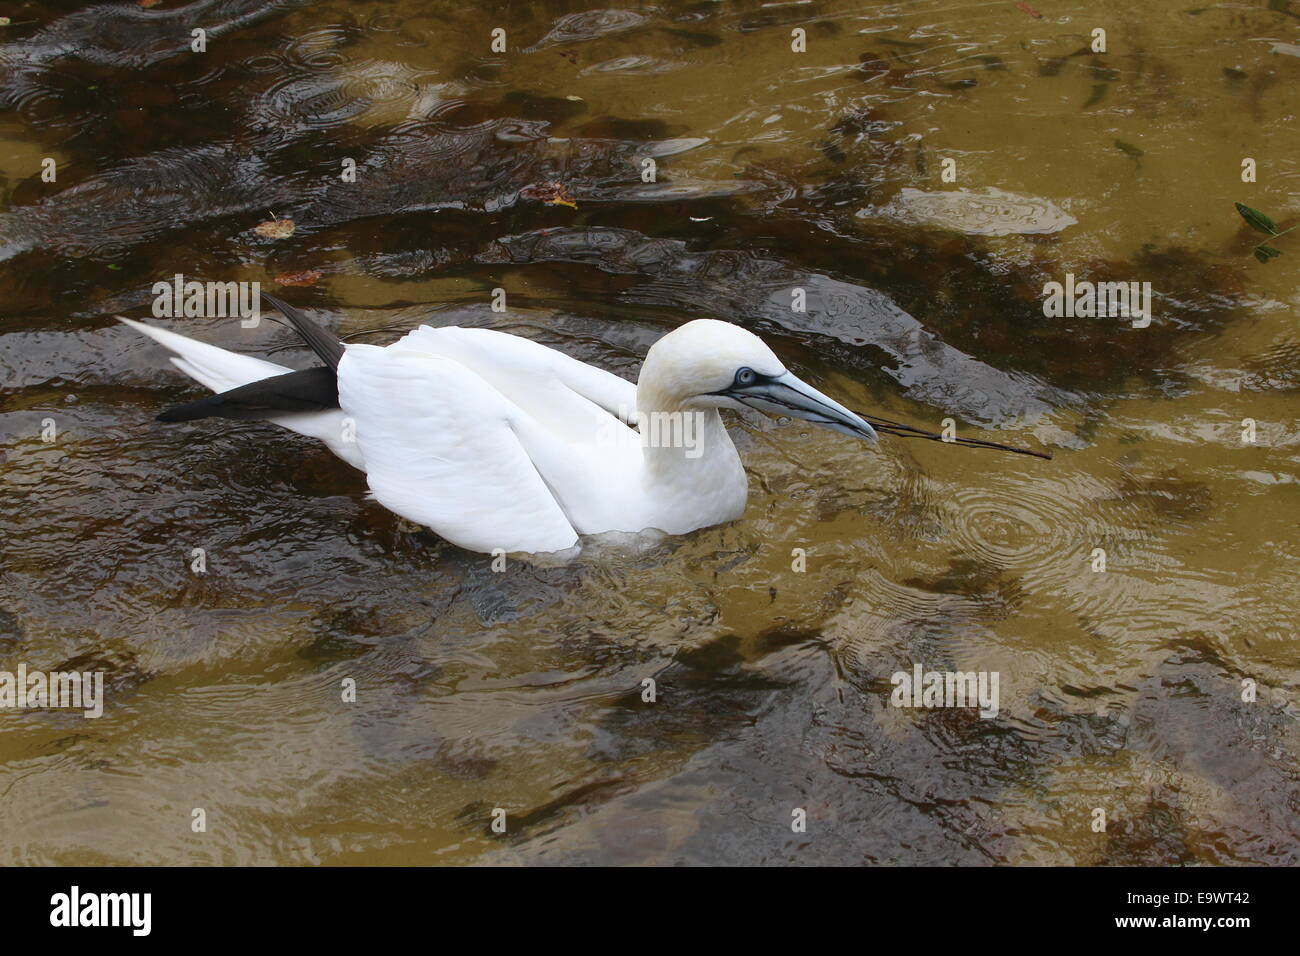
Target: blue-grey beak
(787, 395)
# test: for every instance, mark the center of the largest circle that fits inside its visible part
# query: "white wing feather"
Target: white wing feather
(441, 449)
(572, 426)
(558, 389)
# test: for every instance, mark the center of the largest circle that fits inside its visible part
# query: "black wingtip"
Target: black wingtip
(309, 390)
(327, 346)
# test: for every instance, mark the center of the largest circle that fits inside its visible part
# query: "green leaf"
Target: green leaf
(1256, 219)
(1264, 253)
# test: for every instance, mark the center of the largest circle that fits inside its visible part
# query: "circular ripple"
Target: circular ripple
(55, 99)
(1046, 532)
(1010, 532)
(319, 49)
(305, 103)
(266, 63)
(1031, 524)
(588, 26)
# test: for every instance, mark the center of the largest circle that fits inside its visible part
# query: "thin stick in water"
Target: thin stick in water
(900, 430)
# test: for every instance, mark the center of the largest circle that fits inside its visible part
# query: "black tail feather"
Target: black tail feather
(325, 344)
(311, 390)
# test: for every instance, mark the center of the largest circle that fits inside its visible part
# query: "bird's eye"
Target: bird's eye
(746, 376)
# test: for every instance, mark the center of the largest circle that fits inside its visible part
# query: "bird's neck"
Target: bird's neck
(690, 461)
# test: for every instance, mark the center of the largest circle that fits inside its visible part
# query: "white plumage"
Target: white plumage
(498, 442)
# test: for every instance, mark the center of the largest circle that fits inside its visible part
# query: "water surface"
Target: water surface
(775, 170)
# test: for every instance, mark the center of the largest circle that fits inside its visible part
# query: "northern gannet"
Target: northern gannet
(499, 443)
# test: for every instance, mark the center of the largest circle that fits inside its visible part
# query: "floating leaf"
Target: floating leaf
(275, 229)
(5, 21)
(552, 194)
(1264, 253)
(309, 277)
(1256, 219)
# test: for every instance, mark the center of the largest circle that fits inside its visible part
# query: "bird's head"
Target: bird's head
(712, 364)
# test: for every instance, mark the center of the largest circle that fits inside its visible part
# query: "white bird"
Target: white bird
(498, 442)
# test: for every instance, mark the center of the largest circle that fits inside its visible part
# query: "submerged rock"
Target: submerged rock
(992, 212)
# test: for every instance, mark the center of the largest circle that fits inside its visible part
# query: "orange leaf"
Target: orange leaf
(309, 277)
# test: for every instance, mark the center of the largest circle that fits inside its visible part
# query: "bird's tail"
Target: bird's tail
(217, 368)
(253, 388)
(327, 346)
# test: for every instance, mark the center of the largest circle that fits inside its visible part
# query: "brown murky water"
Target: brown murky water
(1120, 689)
